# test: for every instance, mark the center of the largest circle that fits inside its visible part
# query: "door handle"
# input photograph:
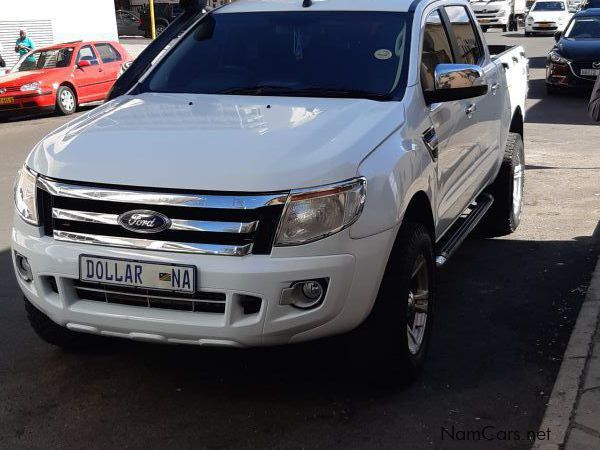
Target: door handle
(470, 110)
(431, 142)
(494, 88)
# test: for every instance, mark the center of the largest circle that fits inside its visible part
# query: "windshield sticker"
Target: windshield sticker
(383, 54)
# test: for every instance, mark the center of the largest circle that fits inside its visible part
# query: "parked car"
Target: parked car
(129, 23)
(62, 77)
(301, 182)
(164, 14)
(574, 62)
(547, 16)
(502, 14)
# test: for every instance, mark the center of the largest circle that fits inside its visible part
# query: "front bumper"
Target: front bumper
(538, 28)
(565, 76)
(25, 103)
(354, 269)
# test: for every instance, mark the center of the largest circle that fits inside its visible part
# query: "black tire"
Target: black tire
(160, 28)
(56, 335)
(380, 346)
(66, 101)
(504, 28)
(484, 29)
(528, 34)
(504, 216)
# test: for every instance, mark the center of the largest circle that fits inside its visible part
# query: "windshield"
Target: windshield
(319, 54)
(549, 6)
(45, 59)
(584, 28)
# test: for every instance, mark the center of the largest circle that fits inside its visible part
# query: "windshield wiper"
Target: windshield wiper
(306, 92)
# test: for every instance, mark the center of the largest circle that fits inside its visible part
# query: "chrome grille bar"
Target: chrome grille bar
(176, 224)
(163, 199)
(146, 244)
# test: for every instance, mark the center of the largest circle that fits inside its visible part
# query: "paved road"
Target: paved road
(506, 310)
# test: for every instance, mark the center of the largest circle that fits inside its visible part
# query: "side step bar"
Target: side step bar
(463, 227)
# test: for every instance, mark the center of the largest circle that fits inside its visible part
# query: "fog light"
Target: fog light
(305, 294)
(23, 267)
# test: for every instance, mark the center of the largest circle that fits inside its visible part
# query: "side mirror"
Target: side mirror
(457, 82)
(557, 36)
(84, 63)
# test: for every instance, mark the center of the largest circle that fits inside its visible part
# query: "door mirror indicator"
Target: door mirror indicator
(457, 82)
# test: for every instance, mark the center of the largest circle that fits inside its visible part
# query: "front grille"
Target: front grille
(577, 67)
(219, 224)
(12, 89)
(201, 302)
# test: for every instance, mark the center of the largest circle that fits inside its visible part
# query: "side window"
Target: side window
(467, 43)
(86, 53)
(108, 53)
(436, 49)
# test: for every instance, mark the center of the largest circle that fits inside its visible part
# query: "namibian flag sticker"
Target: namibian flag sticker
(162, 276)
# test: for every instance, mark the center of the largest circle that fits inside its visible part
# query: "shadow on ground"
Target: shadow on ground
(506, 309)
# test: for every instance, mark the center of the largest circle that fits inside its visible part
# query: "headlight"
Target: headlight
(503, 12)
(555, 57)
(35, 86)
(314, 214)
(26, 196)
(529, 19)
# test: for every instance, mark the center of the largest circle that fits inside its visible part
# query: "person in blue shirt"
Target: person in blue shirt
(24, 45)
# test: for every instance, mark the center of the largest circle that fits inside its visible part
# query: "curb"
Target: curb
(561, 406)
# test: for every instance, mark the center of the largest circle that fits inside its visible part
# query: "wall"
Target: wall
(70, 20)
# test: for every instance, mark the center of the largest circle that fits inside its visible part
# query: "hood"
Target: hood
(489, 5)
(579, 49)
(216, 142)
(549, 16)
(20, 78)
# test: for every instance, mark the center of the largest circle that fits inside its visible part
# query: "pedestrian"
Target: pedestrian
(594, 107)
(2, 62)
(24, 44)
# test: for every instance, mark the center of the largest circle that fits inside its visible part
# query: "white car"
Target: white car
(547, 16)
(299, 183)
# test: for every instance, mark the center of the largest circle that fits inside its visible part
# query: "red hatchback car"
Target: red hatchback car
(62, 77)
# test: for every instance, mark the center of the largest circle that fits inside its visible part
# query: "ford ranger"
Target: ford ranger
(284, 171)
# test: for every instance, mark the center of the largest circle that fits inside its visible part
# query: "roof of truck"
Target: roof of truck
(318, 5)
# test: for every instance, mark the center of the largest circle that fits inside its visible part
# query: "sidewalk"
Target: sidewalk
(573, 412)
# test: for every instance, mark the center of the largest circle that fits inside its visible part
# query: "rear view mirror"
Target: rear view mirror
(84, 63)
(457, 82)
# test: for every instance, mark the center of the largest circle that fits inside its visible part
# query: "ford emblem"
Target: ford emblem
(144, 221)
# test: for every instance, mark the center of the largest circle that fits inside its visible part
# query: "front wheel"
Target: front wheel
(391, 345)
(504, 28)
(66, 101)
(484, 29)
(504, 216)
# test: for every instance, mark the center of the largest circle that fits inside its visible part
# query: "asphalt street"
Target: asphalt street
(505, 311)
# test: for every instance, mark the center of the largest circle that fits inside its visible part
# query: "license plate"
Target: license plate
(7, 100)
(545, 25)
(590, 72)
(138, 274)
(484, 20)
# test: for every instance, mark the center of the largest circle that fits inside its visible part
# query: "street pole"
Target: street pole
(152, 24)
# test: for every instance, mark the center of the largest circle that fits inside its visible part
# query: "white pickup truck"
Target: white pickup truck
(286, 171)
